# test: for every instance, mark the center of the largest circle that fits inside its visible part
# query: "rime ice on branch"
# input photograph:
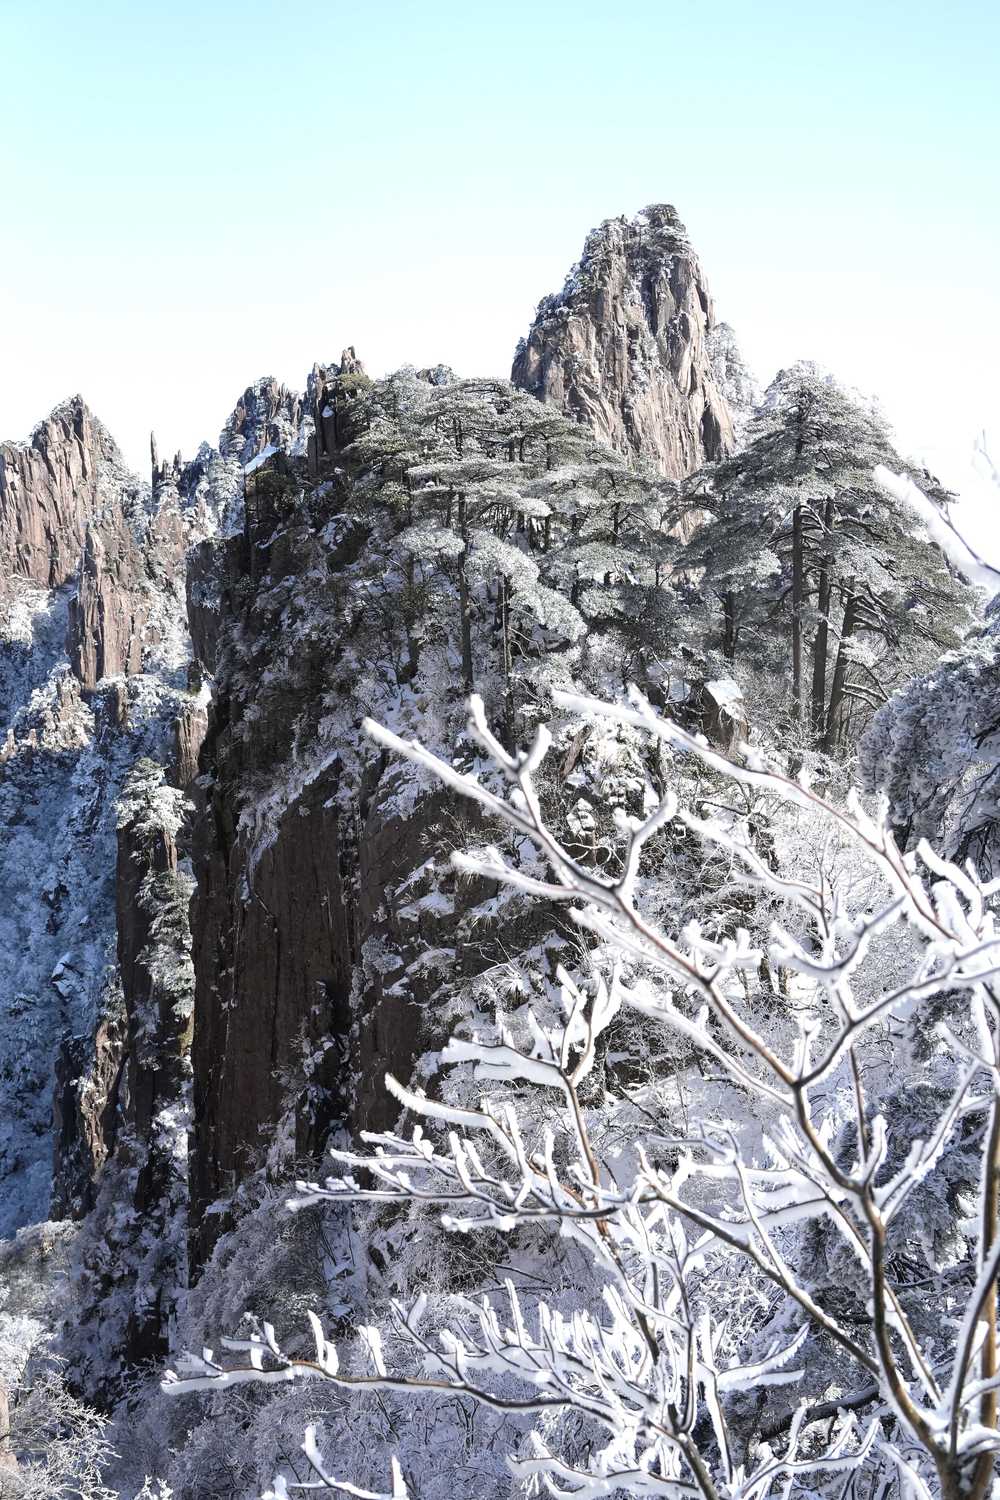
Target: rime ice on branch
(653, 1367)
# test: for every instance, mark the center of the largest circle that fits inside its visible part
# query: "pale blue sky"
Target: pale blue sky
(196, 194)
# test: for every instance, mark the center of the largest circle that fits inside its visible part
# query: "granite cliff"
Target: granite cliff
(625, 346)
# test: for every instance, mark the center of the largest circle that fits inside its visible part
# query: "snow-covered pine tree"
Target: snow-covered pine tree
(815, 565)
(934, 749)
(518, 504)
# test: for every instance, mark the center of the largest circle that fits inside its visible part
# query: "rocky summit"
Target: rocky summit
(626, 346)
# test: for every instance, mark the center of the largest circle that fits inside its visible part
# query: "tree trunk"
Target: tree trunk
(464, 601)
(798, 591)
(412, 644)
(8, 1459)
(821, 644)
(508, 678)
(730, 633)
(847, 629)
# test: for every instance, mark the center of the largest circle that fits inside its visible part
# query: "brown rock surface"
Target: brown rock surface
(130, 1261)
(337, 395)
(49, 494)
(303, 933)
(623, 346)
(106, 618)
(190, 729)
(273, 964)
(70, 510)
(85, 1109)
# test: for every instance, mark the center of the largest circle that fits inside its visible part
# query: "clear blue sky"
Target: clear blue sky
(196, 194)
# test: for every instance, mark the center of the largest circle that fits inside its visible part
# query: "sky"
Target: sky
(202, 192)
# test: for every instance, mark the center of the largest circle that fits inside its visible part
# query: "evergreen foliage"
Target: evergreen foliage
(819, 571)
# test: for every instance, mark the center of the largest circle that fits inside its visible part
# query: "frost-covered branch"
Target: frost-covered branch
(653, 1365)
(954, 546)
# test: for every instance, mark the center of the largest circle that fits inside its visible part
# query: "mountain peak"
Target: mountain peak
(624, 345)
(48, 492)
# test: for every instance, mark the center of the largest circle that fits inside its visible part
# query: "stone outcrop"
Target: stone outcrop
(267, 415)
(720, 707)
(624, 346)
(167, 472)
(293, 1022)
(71, 513)
(305, 943)
(91, 570)
(85, 1112)
(336, 393)
(273, 963)
(271, 919)
(130, 1260)
(49, 494)
(106, 618)
(437, 375)
(155, 975)
(190, 729)
(126, 572)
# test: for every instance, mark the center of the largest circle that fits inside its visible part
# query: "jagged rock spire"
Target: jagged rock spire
(350, 364)
(334, 391)
(623, 346)
(267, 415)
(48, 493)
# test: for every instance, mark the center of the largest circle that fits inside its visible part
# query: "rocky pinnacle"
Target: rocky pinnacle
(624, 346)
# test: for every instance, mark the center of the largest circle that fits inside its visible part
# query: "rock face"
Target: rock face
(337, 396)
(295, 873)
(273, 960)
(49, 492)
(129, 1261)
(56, 915)
(267, 415)
(105, 619)
(93, 658)
(126, 611)
(190, 729)
(71, 515)
(624, 346)
(85, 1113)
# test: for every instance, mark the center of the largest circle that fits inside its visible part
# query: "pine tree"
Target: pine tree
(809, 558)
